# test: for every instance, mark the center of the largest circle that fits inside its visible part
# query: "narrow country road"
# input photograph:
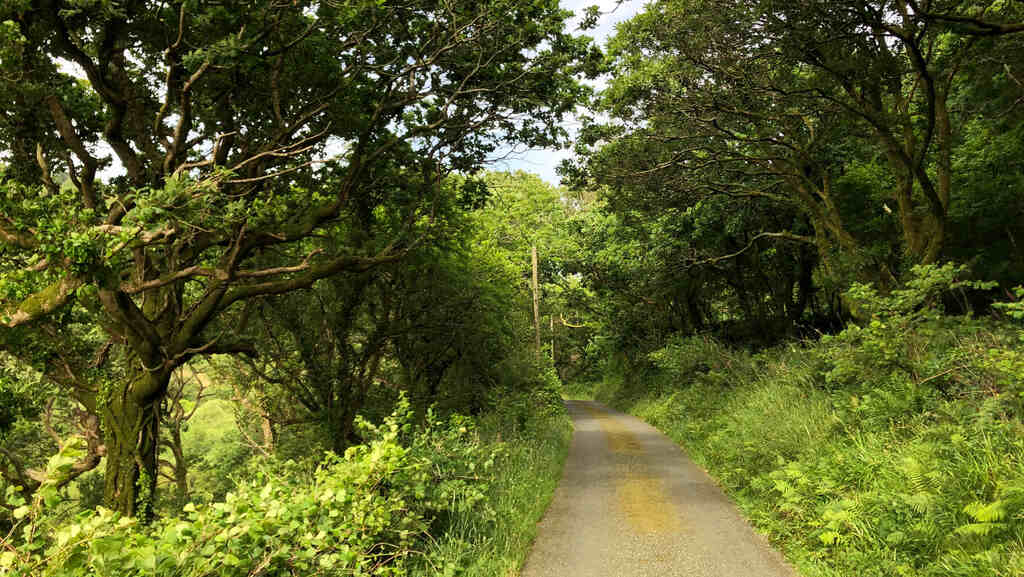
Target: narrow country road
(631, 503)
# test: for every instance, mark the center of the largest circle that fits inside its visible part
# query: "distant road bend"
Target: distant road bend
(632, 504)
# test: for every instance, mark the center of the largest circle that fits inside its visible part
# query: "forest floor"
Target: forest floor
(631, 503)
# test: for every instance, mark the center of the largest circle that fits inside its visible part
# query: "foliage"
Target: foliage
(1015, 307)
(367, 512)
(754, 160)
(172, 162)
(535, 445)
(214, 451)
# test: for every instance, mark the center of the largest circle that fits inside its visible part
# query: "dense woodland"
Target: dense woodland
(268, 308)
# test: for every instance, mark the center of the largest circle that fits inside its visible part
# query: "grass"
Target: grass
(577, 391)
(524, 482)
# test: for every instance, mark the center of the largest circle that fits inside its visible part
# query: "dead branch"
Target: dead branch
(279, 270)
(753, 241)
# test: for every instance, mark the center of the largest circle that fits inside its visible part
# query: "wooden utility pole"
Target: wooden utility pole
(552, 318)
(536, 299)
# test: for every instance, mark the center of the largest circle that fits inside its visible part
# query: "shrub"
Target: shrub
(534, 430)
(368, 512)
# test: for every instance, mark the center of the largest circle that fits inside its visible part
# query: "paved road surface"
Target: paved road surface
(632, 504)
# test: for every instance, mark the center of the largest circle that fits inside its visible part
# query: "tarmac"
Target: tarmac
(632, 504)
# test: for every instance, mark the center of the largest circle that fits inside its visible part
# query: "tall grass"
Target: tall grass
(535, 446)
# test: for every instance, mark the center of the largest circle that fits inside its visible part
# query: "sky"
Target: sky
(543, 161)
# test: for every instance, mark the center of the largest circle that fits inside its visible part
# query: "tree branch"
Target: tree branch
(783, 235)
(185, 273)
(9, 234)
(74, 142)
(41, 303)
(313, 274)
(966, 24)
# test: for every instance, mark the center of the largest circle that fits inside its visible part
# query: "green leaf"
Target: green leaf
(7, 559)
(51, 497)
(829, 538)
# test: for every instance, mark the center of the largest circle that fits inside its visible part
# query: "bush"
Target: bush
(368, 512)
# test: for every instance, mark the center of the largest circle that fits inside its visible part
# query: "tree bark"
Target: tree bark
(131, 417)
(944, 173)
(341, 419)
(807, 260)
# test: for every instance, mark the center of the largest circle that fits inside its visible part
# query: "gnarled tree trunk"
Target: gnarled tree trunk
(131, 418)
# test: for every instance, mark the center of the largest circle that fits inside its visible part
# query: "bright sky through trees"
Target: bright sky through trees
(544, 161)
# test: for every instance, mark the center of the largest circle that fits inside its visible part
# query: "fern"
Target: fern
(980, 529)
(987, 512)
(920, 502)
(1012, 495)
(919, 478)
(988, 519)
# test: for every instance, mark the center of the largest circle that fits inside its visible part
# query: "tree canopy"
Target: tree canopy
(762, 156)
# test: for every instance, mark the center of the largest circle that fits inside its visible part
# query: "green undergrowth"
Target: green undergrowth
(895, 448)
(536, 440)
(454, 496)
(577, 390)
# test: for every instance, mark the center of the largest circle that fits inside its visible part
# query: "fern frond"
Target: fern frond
(979, 529)
(920, 502)
(918, 478)
(987, 512)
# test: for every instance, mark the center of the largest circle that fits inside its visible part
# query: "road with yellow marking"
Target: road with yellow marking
(632, 504)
